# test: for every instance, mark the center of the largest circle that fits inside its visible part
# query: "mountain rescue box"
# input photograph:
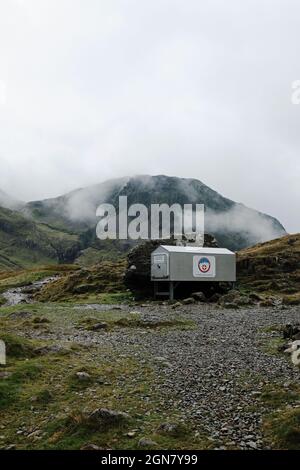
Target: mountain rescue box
(174, 264)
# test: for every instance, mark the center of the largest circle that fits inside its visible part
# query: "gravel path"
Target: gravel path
(220, 369)
(215, 372)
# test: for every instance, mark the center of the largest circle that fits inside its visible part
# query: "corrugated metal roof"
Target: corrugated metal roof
(196, 249)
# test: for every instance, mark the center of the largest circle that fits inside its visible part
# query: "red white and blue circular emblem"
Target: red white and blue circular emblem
(204, 265)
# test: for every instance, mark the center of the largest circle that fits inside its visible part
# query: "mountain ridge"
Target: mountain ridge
(62, 229)
(224, 217)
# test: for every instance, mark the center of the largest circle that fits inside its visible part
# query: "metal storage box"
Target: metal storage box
(186, 263)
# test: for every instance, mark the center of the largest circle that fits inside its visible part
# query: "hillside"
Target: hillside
(234, 225)
(63, 229)
(269, 270)
(24, 243)
(272, 267)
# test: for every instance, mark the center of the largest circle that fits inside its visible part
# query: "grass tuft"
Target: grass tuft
(17, 347)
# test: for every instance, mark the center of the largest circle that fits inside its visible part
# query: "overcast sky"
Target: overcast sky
(94, 89)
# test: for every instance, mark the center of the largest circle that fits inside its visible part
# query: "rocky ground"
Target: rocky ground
(207, 372)
(217, 367)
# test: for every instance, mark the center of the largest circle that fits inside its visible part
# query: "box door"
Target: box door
(160, 266)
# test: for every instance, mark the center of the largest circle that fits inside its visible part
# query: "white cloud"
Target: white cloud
(107, 88)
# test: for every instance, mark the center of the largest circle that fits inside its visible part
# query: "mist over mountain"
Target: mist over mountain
(234, 225)
(9, 202)
(63, 229)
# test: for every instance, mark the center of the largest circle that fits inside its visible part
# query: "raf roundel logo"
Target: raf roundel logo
(204, 265)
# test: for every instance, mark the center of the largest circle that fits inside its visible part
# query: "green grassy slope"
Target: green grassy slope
(24, 243)
(272, 267)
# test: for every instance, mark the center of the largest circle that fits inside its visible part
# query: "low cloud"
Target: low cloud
(81, 205)
(241, 219)
(103, 89)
